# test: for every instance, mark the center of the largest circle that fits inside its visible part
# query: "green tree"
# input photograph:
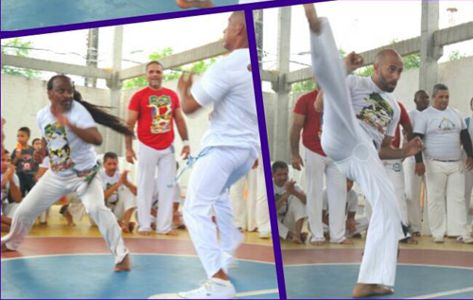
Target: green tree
(169, 75)
(303, 86)
(18, 47)
(455, 55)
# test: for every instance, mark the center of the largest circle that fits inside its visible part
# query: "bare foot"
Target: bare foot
(363, 290)
(144, 233)
(124, 265)
(172, 232)
(317, 243)
(193, 3)
(5, 249)
(346, 242)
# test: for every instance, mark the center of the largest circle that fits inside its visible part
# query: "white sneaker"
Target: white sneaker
(438, 240)
(213, 288)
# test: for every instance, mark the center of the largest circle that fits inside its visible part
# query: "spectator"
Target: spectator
(11, 193)
(22, 158)
(119, 192)
(444, 131)
(290, 204)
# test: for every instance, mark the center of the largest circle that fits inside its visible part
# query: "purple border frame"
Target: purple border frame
(248, 8)
(265, 154)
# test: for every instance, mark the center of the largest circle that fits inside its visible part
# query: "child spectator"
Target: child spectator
(120, 193)
(290, 204)
(22, 158)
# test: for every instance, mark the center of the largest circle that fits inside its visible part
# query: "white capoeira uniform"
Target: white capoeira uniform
(251, 213)
(290, 213)
(349, 142)
(413, 184)
(69, 157)
(122, 199)
(444, 171)
(351, 207)
(229, 149)
(317, 164)
(9, 206)
(155, 151)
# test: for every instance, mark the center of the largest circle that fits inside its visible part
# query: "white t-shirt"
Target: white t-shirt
(107, 182)
(228, 85)
(6, 190)
(352, 201)
(441, 130)
(376, 110)
(66, 150)
(278, 192)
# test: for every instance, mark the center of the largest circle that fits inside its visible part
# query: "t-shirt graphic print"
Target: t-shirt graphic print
(377, 113)
(161, 113)
(58, 147)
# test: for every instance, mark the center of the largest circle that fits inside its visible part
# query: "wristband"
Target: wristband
(185, 143)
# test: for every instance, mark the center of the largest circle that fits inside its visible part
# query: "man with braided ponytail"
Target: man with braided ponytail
(68, 125)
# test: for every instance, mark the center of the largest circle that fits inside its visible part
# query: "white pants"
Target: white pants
(212, 175)
(240, 203)
(126, 201)
(296, 211)
(350, 147)
(316, 166)
(148, 160)
(395, 173)
(446, 198)
(48, 190)
(251, 213)
(413, 184)
(9, 209)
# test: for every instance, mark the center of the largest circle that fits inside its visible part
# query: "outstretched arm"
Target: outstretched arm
(311, 15)
(194, 3)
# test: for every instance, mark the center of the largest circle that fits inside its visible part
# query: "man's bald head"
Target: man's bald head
(386, 54)
(388, 67)
(235, 35)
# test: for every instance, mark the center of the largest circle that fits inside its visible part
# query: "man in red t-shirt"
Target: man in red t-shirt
(155, 108)
(307, 119)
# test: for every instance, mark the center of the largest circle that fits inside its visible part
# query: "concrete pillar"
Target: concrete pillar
(114, 141)
(92, 54)
(280, 148)
(429, 54)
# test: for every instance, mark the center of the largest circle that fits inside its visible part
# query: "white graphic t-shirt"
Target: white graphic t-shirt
(278, 192)
(107, 182)
(376, 110)
(66, 150)
(441, 130)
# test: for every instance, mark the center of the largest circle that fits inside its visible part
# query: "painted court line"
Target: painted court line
(443, 294)
(131, 255)
(242, 294)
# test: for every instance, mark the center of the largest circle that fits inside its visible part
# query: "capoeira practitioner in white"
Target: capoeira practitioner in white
(229, 149)
(68, 127)
(206, 3)
(156, 109)
(413, 171)
(309, 119)
(444, 132)
(356, 141)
